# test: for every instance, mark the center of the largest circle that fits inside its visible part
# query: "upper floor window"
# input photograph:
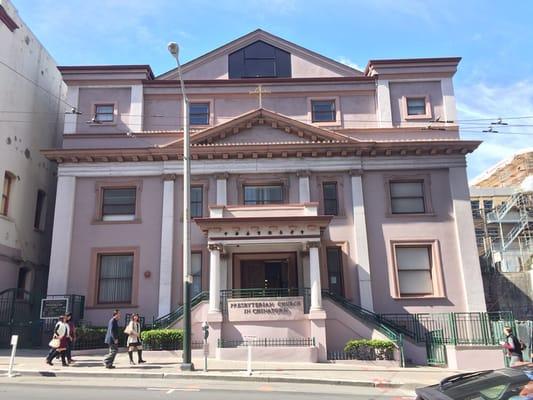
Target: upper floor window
(407, 197)
(197, 203)
(272, 194)
(259, 60)
(414, 267)
(9, 179)
(118, 204)
(487, 205)
(39, 219)
(416, 106)
(199, 113)
(104, 113)
(474, 204)
(331, 201)
(323, 110)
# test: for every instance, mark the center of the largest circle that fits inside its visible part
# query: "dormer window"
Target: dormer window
(416, 107)
(199, 113)
(259, 60)
(323, 110)
(104, 113)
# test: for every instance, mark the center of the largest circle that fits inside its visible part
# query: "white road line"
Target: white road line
(172, 390)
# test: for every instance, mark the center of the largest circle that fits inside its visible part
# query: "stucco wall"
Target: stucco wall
(415, 89)
(89, 96)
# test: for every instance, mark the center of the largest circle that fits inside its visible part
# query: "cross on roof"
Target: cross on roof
(260, 91)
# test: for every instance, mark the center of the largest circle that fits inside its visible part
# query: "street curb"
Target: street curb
(203, 376)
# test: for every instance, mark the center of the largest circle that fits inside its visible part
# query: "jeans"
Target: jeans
(68, 351)
(514, 359)
(110, 358)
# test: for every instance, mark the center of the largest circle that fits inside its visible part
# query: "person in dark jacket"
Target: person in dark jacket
(111, 339)
(513, 346)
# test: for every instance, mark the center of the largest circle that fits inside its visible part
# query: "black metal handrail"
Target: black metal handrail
(262, 293)
(171, 318)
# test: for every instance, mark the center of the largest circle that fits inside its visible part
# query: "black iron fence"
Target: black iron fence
(267, 342)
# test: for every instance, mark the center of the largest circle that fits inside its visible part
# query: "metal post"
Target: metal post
(14, 342)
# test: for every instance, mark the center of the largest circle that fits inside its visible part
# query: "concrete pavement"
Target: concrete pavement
(165, 365)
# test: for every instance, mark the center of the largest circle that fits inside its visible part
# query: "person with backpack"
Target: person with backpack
(513, 345)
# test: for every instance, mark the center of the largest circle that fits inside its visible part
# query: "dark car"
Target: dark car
(508, 383)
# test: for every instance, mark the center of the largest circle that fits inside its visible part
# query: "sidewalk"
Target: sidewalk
(165, 365)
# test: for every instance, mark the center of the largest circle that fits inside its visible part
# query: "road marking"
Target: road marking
(265, 388)
(172, 390)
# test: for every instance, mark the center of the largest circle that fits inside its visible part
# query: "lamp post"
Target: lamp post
(186, 364)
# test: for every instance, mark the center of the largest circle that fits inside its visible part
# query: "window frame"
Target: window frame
(112, 184)
(39, 220)
(96, 104)
(436, 272)
(201, 276)
(9, 177)
(426, 190)
(201, 187)
(94, 283)
(341, 255)
(405, 107)
(336, 184)
(310, 117)
(210, 114)
(280, 185)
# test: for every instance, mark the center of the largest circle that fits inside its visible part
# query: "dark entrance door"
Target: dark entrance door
(268, 273)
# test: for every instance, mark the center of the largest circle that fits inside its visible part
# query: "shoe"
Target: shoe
(65, 365)
(132, 363)
(49, 362)
(71, 361)
(141, 361)
(110, 366)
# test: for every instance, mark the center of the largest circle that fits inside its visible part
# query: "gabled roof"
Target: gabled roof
(269, 38)
(261, 116)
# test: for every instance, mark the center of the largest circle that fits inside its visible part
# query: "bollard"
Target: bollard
(14, 342)
(249, 368)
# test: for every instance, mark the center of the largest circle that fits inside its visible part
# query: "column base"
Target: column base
(214, 316)
(186, 367)
(317, 313)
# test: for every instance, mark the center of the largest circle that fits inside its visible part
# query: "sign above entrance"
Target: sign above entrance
(266, 309)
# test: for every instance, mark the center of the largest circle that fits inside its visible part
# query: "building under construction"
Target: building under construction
(502, 206)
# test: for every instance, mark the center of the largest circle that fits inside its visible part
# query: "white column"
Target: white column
(448, 99)
(466, 241)
(167, 240)
(314, 273)
(361, 244)
(136, 108)
(71, 119)
(222, 196)
(304, 194)
(383, 103)
(62, 235)
(214, 278)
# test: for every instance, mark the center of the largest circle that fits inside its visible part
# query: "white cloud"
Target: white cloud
(350, 63)
(484, 101)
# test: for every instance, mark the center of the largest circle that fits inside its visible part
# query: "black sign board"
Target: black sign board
(53, 308)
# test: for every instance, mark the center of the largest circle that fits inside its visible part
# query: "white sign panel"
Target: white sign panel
(266, 309)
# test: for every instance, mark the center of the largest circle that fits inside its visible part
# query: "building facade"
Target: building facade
(31, 118)
(307, 176)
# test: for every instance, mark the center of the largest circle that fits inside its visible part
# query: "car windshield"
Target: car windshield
(509, 383)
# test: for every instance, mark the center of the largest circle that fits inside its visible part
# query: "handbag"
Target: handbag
(54, 343)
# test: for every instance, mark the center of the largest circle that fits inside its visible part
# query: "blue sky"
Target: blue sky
(495, 77)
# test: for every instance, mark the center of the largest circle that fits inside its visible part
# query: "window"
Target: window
(474, 204)
(199, 113)
(119, 204)
(334, 263)
(104, 113)
(416, 106)
(115, 278)
(407, 197)
(331, 202)
(487, 205)
(493, 232)
(259, 60)
(39, 219)
(414, 265)
(263, 194)
(197, 203)
(323, 110)
(196, 272)
(6, 192)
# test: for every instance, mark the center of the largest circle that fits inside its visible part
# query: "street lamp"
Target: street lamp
(186, 364)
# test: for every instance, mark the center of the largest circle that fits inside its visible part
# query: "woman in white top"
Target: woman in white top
(60, 338)
(133, 330)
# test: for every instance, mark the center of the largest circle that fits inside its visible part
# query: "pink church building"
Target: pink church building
(326, 190)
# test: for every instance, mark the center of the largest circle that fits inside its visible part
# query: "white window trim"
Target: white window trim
(211, 121)
(427, 115)
(428, 204)
(104, 103)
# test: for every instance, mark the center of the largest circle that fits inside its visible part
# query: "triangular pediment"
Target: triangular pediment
(263, 127)
(305, 63)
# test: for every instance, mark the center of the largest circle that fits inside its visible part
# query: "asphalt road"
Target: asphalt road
(28, 388)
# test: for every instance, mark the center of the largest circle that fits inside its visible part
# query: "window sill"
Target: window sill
(102, 222)
(328, 123)
(102, 124)
(417, 117)
(5, 217)
(111, 306)
(410, 215)
(429, 297)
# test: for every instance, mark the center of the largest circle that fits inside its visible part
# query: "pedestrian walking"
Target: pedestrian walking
(58, 344)
(133, 330)
(71, 337)
(111, 339)
(513, 346)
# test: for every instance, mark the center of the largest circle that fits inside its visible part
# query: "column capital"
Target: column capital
(215, 246)
(222, 175)
(169, 177)
(315, 244)
(356, 172)
(303, 173)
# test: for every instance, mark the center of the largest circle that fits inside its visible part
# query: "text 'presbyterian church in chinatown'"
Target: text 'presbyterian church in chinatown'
(322, 197)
